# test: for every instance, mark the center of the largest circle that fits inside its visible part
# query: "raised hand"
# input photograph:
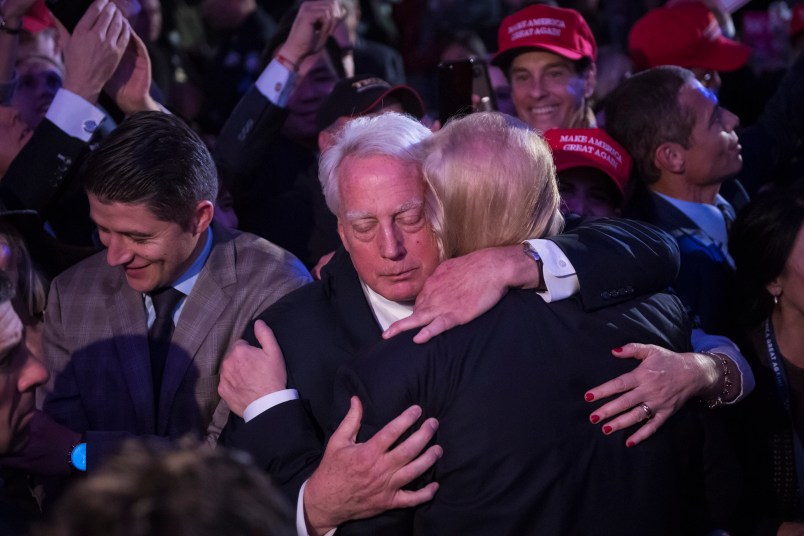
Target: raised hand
(311, 28)
(93, 51)
(130, 84)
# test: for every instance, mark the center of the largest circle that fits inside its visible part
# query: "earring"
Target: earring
(775, 299)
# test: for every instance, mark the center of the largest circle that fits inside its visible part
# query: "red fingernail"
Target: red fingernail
(618, 350)
(629, 444)
(607, 429)
(588, 397)
(594, 419)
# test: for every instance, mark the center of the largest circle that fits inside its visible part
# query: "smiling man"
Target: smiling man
(123, 359)
(549, 56)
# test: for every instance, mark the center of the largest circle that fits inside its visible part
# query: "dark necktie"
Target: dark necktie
(160, 333)
(728, 215)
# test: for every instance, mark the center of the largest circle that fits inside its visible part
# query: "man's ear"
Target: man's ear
(589, 80)
(324, 140)
(204, 211)
(670, 156)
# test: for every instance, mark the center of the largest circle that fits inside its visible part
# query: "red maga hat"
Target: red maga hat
(555, 29)
(590, 147)
(38, 18)
(797, 20)
(687, 35)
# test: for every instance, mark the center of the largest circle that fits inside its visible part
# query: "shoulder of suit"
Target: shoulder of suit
(90, 272)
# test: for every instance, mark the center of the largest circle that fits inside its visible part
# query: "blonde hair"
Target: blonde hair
(494, 183)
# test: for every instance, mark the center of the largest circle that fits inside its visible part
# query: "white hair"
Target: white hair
(387, 134)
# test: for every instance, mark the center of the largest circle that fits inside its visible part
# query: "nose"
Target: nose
(537, 87)
(33, 373)
(730, 120)
(391, 242)
(575, 204)
(117, 252)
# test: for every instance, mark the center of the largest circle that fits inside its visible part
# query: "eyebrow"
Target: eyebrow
(352, 215)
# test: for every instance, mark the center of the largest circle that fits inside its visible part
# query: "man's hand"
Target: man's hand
(360, 480)
(463, 288)
(249, 373)
(311, 28)
(46, 450)
(94, 50)
(130, 84)
(664, 381)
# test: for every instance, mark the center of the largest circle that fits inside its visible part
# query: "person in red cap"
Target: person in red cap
(797, 30)
(549, 55)
(593, 171)
(686, 34)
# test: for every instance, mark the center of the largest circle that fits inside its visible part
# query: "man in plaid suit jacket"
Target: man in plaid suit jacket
(150, 186)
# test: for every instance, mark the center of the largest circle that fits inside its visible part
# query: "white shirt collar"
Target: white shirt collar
(707, 217)
(386, 312)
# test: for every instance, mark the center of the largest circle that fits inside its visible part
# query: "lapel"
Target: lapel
(682, 228)
(126, 313)
(352, 312)
(204, 306)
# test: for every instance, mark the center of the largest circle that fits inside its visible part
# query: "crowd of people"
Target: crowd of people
(249, 285)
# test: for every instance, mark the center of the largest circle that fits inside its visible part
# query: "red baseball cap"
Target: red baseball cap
(590, 147)
(687, 35)
(555, 29)
(797, 20)
(38, 18)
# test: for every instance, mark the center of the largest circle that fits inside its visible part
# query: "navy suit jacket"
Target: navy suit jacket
(520, 456)
(706, 280)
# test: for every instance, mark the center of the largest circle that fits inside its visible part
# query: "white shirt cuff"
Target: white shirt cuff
(301, 524)
(559, 273)
(276, 83)
(74, 115)
(705, 342)
(264, 403)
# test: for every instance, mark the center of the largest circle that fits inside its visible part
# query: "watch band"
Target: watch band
(78, 457)
(533, 254)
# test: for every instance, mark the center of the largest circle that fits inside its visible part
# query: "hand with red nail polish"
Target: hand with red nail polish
(663, 380)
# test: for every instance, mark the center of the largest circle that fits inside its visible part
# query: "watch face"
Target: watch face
(78, 457)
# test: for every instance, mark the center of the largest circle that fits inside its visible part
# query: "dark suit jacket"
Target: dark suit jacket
(705, 280)
(96, 348)
(327, 324)
(274, 181)
(520, 457)
(41, 178)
